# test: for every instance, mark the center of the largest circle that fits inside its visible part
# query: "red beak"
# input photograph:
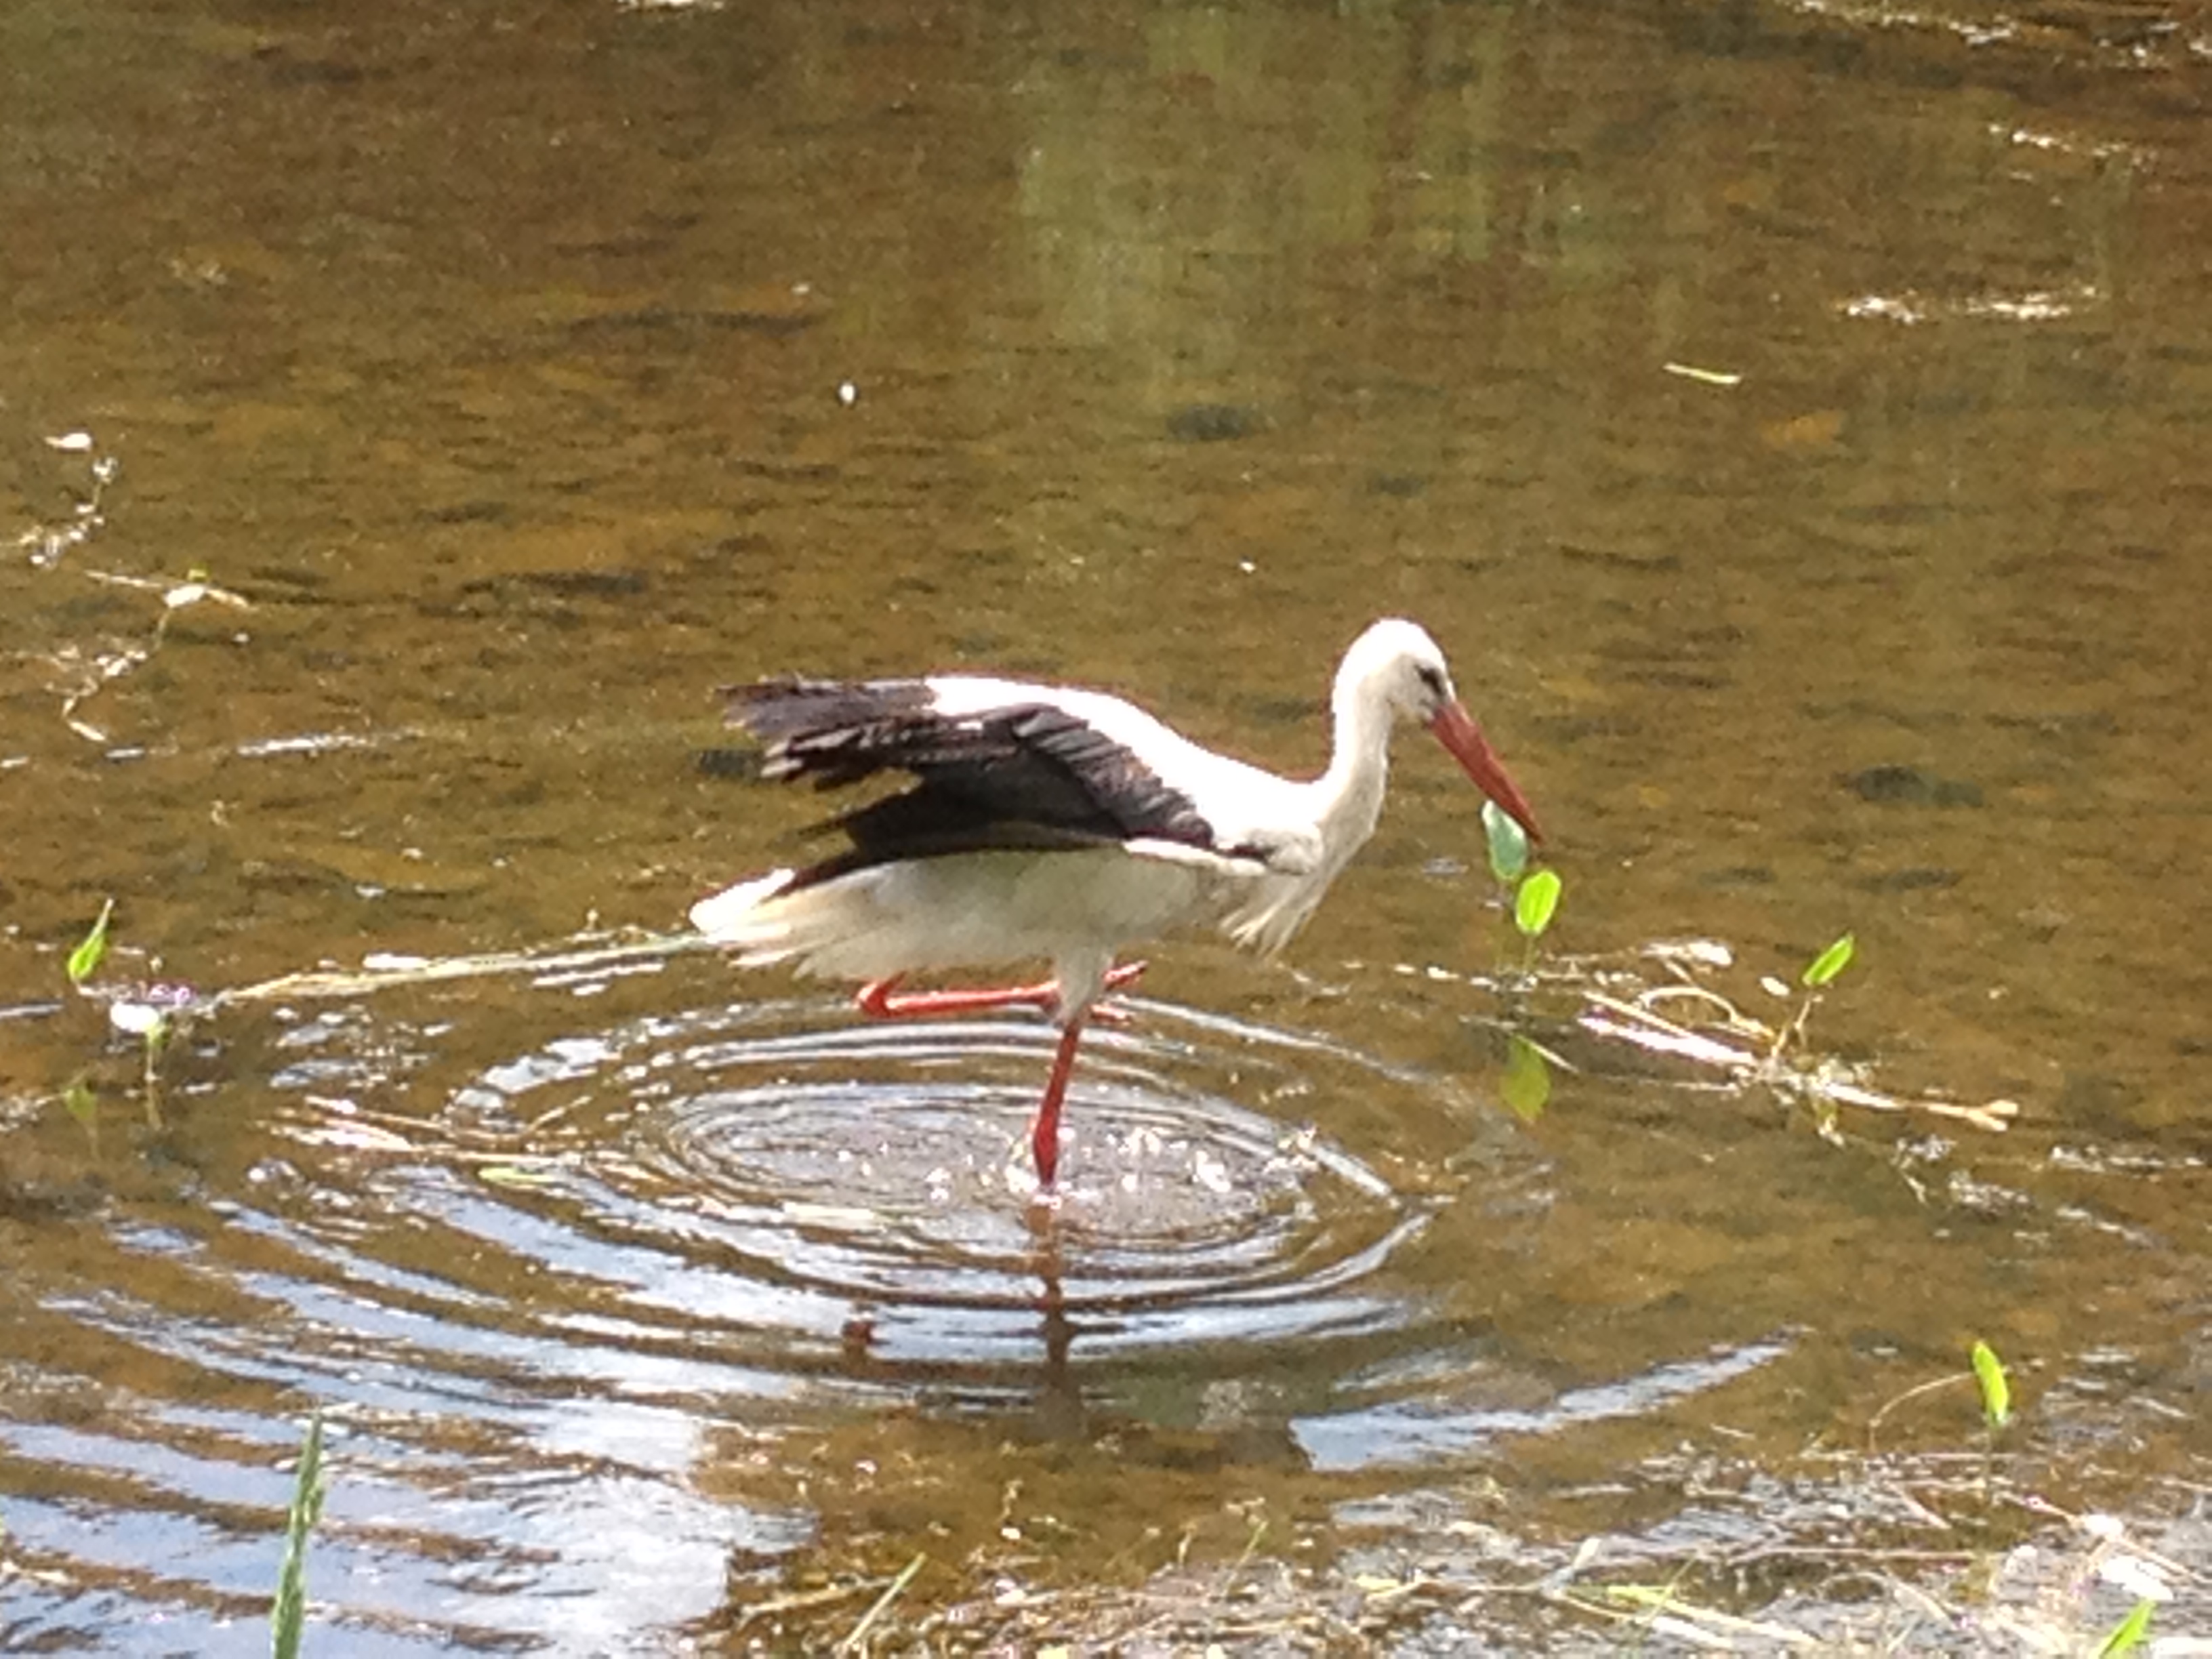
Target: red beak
(1455, 729)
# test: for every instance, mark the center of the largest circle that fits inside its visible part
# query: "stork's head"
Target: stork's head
(1396, 666)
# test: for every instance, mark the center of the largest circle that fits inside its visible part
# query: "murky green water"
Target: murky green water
(1794, 420)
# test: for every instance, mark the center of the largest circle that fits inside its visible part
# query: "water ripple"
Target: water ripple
(793, 1190)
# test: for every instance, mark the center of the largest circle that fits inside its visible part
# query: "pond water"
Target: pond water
(1793, 419)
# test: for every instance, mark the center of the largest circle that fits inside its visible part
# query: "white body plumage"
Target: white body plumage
(1094, 827)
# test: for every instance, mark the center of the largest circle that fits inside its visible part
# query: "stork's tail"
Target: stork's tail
(835, 928)
(745, 917)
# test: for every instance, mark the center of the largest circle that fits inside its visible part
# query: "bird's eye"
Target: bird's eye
(1432, 681)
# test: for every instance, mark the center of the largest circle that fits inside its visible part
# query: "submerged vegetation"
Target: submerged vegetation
(2005, 1572)
(1942, 1548)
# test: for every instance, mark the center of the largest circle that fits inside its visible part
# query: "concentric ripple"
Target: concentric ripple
(803, 1184)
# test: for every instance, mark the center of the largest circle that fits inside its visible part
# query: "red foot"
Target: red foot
(1113, 1014)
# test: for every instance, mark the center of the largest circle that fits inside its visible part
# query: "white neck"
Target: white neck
(1347, 798)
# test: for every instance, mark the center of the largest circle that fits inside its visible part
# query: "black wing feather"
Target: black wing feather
(1027, 775)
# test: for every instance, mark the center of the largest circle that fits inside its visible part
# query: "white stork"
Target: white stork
(1044, 822)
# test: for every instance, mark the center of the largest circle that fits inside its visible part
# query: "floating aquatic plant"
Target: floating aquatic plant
(1507, 844)
(1819, 973)
(1536, 902)
(150, 1014)
(1824, 968)
(92, 949)
(1536, 892)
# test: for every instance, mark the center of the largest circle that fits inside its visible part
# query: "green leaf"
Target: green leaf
(2129, 1633)
(1997, 1394)
(1508, 844)
(1525, 1084)
(85, 960)
(288, 1612)
(1534, 904)
(1829, 963)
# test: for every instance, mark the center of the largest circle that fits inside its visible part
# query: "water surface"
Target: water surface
(1792, 421)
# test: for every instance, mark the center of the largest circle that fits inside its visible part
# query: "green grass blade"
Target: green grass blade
(287, 1613)
(1824, 968)
(2129, 1633)
(1508, 844)
(1997, 1392)
(1534, 904)
(85, 960)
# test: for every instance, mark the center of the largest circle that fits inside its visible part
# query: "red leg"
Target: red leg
(881, 999)
(1044, 1136)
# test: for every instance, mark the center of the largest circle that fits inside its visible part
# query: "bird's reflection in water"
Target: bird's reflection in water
(1045, 1394)
(1059, 1409)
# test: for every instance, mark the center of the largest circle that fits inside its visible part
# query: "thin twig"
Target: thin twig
(346, 982)
(1914, 1393)
(803, 1601)
(860, 1633)
(1654, 1032)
